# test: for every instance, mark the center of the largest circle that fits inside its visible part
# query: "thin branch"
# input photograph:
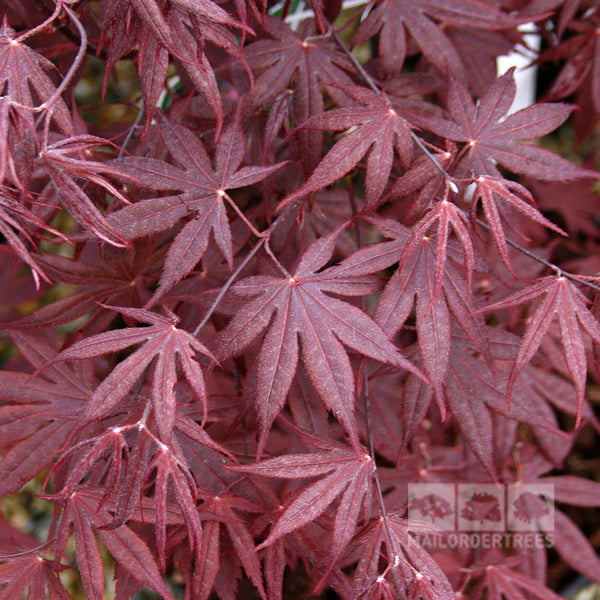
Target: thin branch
(264, 237)
(77, 62)
(543, 261)
(67, 32)
(228, 284)
(48, 21)
(129, 135)
(366, 397)
(368, 79)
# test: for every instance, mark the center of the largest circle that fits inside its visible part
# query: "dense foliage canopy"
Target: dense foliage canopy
(312, 259)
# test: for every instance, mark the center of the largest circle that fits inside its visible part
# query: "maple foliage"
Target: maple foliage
(312, 256)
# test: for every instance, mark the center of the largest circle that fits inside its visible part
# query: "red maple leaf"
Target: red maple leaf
(203, 191)
(300, 61)
(161, 341)
(376, 126)
(300, 309)
(490, 138)
(344, 472)
(562, 300)
(420, 18)
(181, 31)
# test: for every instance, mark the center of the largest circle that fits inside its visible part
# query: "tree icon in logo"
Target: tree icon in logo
(432, 504)
(432, 507)
(482, 509)
(529, 507)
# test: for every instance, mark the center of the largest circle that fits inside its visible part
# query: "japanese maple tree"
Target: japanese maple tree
(309, 258)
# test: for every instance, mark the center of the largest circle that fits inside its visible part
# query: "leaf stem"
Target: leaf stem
(256, 233)
(263, 241)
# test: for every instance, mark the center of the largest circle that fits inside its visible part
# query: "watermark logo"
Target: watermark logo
(485, 515)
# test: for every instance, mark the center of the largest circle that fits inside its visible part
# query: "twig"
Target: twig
(65, 30)
(264, 237)
(129, 135)
(228, 284)
(366, 397)
(49, 104)
(543, 261)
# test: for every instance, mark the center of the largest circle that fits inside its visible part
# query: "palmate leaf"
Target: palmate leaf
(343, 471)
(161, 341)
(415, 283)
(541, 391)
(494, 194)
(299, 61)
(221, 509)
(475, 392)
(15, 219)
(444, 214)
(392, 18)
(562, 300)
(37, 415)
(64, 168)
(173, 476)
(490, 140)
(102, 276)
(413, 566)
(180, 29)
(299, 309)
(374, 125)
(85, 514)
(202, 194)
(34, 575)
(23, 71)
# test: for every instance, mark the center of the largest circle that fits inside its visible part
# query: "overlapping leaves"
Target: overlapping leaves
(161, 342)
(182, 31)
(298, 312)
(300, 61)
(344, 473)
(393, 19)
(563, 301)
(203, 188)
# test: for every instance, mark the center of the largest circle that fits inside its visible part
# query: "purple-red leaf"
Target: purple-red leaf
(343, 470)
(161, 341)
(490, 140)
(562, 300)
(304, 313)
(203, 192)
(375, 125)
